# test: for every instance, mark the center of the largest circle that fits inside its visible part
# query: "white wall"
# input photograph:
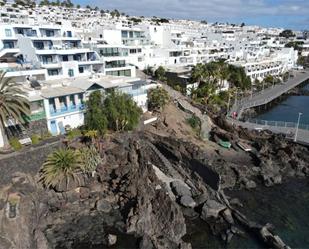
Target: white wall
(1, 139)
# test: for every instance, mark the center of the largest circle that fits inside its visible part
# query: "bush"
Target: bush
(35, 139)
(121, 112)
(157, 98)
(95, 118)
(90, 159)
(74, 133)
(16, 145)
(194, 122)
(46, 135)
(61, 166)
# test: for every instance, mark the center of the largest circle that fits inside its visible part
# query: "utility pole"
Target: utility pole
(296, 132)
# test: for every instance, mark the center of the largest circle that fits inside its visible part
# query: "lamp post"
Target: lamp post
(295, 138)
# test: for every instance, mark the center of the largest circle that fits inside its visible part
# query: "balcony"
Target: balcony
(37, 116)
(66, 109)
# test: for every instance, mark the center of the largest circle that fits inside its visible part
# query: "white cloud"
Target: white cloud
(209, 9)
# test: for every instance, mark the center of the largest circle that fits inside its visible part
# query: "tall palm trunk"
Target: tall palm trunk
(3, 136)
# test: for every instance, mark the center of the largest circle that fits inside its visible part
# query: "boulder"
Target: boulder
(211, 209)
(180, 189)
(227, 215)
(103, 206)
(111, 239)
(249, 184)
(187, 201)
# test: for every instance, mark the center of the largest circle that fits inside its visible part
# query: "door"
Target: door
(61, 128)
(53, 128)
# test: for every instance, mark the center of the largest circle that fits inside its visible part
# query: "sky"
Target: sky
(292, 14)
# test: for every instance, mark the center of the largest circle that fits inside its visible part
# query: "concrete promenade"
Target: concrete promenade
(269, 94)
(266, 96)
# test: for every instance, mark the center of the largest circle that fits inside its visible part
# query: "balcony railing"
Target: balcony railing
(37, 116)
(66, 109)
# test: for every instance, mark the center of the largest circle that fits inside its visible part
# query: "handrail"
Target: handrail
(278, 123)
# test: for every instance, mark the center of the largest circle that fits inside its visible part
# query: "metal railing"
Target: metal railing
(66, 109)
(278, 124)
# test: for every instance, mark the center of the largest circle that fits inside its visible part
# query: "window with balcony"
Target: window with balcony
(50, 33)
(126, 73)
(8, 33)
(115, 64)
(47, 59)
(38, 45)
(77, 57)
(65, 58)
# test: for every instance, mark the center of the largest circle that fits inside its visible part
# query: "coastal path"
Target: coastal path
(269, 94)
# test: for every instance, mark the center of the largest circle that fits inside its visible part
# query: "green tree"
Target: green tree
(61, 166)
(198, 73)
(160, 73)
(238, 77)
(13, 104)
(287, 33)
(78, 6)
(157, 98)
(121, 112)
(95, 118)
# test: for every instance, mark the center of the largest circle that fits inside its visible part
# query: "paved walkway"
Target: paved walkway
(271, 93)
(267, 96)
(289, 132)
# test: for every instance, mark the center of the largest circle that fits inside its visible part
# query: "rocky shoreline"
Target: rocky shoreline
(146, 188)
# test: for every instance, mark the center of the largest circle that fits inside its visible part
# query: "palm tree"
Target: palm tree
(198, 72)
(60, 167)
(13, 104)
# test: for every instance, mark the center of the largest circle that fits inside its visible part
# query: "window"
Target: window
(8, 44)
(49, 33)
(120, 73)
(38, 45)
(8, 32)
(47, 59)
(132, 51)
(71, 72)
(101, 36)
(52, 72)
(69, 33)
(113, 64)
(124, 34)
(81, 69)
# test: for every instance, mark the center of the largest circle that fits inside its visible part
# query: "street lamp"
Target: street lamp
(295, 138)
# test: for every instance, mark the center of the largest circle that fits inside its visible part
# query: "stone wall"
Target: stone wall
(38, 127)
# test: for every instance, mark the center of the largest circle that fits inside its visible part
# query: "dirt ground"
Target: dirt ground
(173, 121)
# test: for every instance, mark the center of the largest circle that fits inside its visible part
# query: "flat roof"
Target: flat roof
(59, 91)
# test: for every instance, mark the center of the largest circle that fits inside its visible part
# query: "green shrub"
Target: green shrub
(47, 135)
(61, 166)
(74, 133)
(35, 139)
(194, 122)
(90, 159)
(16, 145)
